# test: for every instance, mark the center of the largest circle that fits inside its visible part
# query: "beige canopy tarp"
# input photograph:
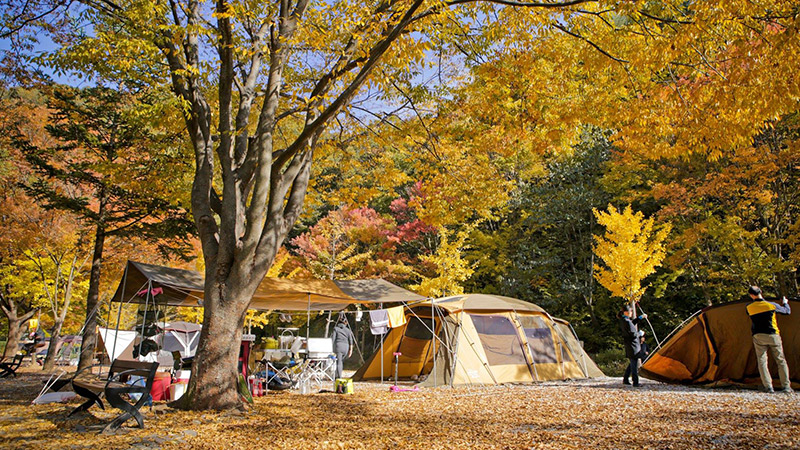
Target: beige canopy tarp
(178, 287)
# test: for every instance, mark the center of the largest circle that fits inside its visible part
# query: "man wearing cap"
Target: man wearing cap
(630, 340)
(766, 337)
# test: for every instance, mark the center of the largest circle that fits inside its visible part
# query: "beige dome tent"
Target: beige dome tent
(715, 347)
(481, 339)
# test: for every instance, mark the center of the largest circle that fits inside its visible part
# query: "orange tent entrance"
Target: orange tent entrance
(715, 347)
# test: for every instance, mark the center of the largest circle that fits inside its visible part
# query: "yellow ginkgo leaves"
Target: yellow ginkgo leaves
(631, 249)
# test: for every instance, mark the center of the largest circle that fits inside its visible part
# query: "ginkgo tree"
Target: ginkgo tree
(631, 249)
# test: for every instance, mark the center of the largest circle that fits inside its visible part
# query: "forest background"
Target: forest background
(472, 161)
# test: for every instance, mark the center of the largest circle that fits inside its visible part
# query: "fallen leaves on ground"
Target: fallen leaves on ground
(599, 413)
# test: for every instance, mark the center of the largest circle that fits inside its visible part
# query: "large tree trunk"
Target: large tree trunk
(89, 328)
(263, 187)
(15, 322)
(214, 381)
(55, 335)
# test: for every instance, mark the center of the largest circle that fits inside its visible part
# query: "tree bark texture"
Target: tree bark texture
(89, 334)
(15, 321)
(263, 187)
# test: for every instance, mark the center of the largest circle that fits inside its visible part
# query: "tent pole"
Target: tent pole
(108, 319)
(433, 341)
(119, 310)
(308, 317)
(144, 316)
(382, 336)
(528, 345)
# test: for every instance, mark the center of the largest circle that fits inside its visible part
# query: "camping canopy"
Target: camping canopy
(178, 287)
(480, 339)
(715, 347)
(181, 337)
(117, 343)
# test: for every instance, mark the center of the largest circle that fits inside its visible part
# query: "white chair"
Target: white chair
(320, 361)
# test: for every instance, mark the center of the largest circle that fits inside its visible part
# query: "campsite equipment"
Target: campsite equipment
(396, 365)
(647, 318)
(182, 337)
(160, 388)
(178, 387)
(320, 361)
(176, 390)
(10, 368)
(480, 339)
(304, 386)
(254, 383)
(55, 396)
(271, 343)
(396, 388)
(714, 347)
(343, 386)
(90, 386)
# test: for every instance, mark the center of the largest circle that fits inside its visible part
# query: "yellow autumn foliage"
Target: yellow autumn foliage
(451, 267)
(630, 249)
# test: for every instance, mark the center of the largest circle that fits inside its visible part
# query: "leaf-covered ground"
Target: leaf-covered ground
(583, 414)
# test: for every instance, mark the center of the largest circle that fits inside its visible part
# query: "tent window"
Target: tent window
(419, 328)
(500, 340)
(540, 339)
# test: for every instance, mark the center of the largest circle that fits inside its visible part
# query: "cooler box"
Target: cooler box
(343, 386)
(176, 391)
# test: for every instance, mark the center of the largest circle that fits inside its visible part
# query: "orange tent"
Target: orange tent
(715, 347)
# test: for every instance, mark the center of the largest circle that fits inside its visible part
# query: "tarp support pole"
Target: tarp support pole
(382, 336)
(119, 310)
(108, 319)
(308, 318)
(144, 317)
(433, 341)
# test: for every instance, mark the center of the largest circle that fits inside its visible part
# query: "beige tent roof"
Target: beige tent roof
(185, 288)
(486, 302)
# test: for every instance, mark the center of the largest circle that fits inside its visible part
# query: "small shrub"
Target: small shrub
(611, 361)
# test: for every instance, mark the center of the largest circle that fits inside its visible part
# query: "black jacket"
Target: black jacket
(630, 336)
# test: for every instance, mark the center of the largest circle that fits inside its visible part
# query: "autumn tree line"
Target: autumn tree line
(501, 147)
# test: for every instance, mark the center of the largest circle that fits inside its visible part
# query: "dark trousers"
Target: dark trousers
(632, 371)
(340, 363)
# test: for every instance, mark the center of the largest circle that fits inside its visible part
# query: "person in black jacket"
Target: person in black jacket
(630, 340)
(343, 341)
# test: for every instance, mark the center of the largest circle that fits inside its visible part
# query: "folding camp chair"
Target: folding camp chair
(320, 362)
(10, 368)
(282, 374)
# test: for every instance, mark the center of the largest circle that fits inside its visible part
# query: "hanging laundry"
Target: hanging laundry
(359, 315)
(283, 317)
(154, 292)
(378, 321)
(397, 317)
